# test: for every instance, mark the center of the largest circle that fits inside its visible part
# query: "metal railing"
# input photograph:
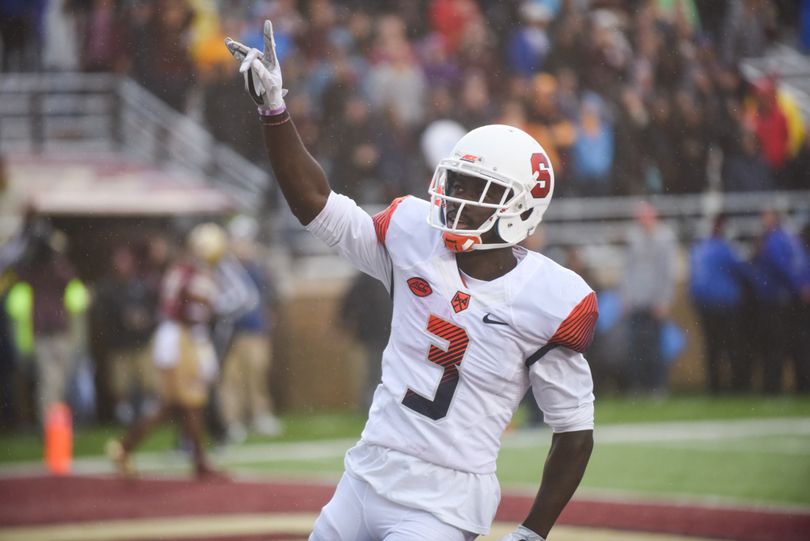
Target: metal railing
(104, 112)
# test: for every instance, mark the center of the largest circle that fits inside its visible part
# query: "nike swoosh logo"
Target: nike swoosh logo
(493, 321)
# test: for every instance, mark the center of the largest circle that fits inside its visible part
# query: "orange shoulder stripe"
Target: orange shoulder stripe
(383, 219)
(576, 331)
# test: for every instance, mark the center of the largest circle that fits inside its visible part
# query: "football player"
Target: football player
(477, 322)
(182, 351)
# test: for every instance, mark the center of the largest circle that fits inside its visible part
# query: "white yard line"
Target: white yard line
(687, 434)
(675, 431)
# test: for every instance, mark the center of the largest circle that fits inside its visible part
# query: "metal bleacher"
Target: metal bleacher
(81, 112)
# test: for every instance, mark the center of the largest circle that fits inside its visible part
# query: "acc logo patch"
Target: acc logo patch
(460, 302)
(420, 287)
(469, 158)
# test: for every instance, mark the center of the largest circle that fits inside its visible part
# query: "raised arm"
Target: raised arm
(300, 177)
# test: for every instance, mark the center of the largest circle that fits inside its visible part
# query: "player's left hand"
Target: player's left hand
(522, 534)
(262, 72)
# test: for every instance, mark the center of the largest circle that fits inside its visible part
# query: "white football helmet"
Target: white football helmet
(502, 156)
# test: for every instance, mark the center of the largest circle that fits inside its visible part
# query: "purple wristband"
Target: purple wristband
(273, 112)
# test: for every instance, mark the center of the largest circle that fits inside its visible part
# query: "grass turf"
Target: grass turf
(753, 469)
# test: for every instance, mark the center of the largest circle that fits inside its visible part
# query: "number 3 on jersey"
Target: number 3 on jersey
(448, 359)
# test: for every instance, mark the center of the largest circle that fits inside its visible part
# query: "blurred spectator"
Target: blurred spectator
(593, 149)
(716, 284)
(804, 25)
(648, 289)
(608, 54)
(335, 79)
(244, 395)
(355, 167)
(475, 104)
(771, 127)
(745, 170)
(782, 280)
(799, 173)
(794, 116)
(661, 146)
(60, 32)
(513, 113)
(529, 44)
(183, 351)
(690, 124)
(630, 163)
(550, 127)
(17, 342)
(395, 83)
(12, 352)
(47, 272)
(140, 42)
(712, 13)
(221, 89)
(8, 362)
(171, 66)
(366, 311)
(102, 49)
(744, 32)
(127, 309)
(568, 93)
(288, 24)
(19, 34)
(440, 67)
(236, 295)
(315, 38)
(453, 19)
(729, 126)
(569, 39)
(679, 12)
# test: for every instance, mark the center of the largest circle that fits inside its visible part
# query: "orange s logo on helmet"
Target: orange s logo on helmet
(420, 287)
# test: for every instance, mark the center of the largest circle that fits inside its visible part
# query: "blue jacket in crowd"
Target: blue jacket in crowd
(782, 268)
(717, 274)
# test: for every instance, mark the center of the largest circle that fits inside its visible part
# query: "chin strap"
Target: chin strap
(460, 243)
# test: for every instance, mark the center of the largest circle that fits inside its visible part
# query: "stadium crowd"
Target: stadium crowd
(628, 97)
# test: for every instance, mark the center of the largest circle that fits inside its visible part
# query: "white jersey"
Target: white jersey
(461, 356)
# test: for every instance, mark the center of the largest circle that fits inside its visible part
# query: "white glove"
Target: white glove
(262, 73)
(522, 534)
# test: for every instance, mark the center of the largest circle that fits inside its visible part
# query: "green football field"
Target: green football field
(752, 450)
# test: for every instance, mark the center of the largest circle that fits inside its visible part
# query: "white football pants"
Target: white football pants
(357, 513)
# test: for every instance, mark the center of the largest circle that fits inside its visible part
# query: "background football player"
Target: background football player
(477, 321)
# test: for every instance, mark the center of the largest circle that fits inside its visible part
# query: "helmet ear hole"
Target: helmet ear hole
(525, 216)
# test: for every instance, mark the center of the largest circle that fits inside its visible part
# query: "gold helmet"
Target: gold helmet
(208, 241)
